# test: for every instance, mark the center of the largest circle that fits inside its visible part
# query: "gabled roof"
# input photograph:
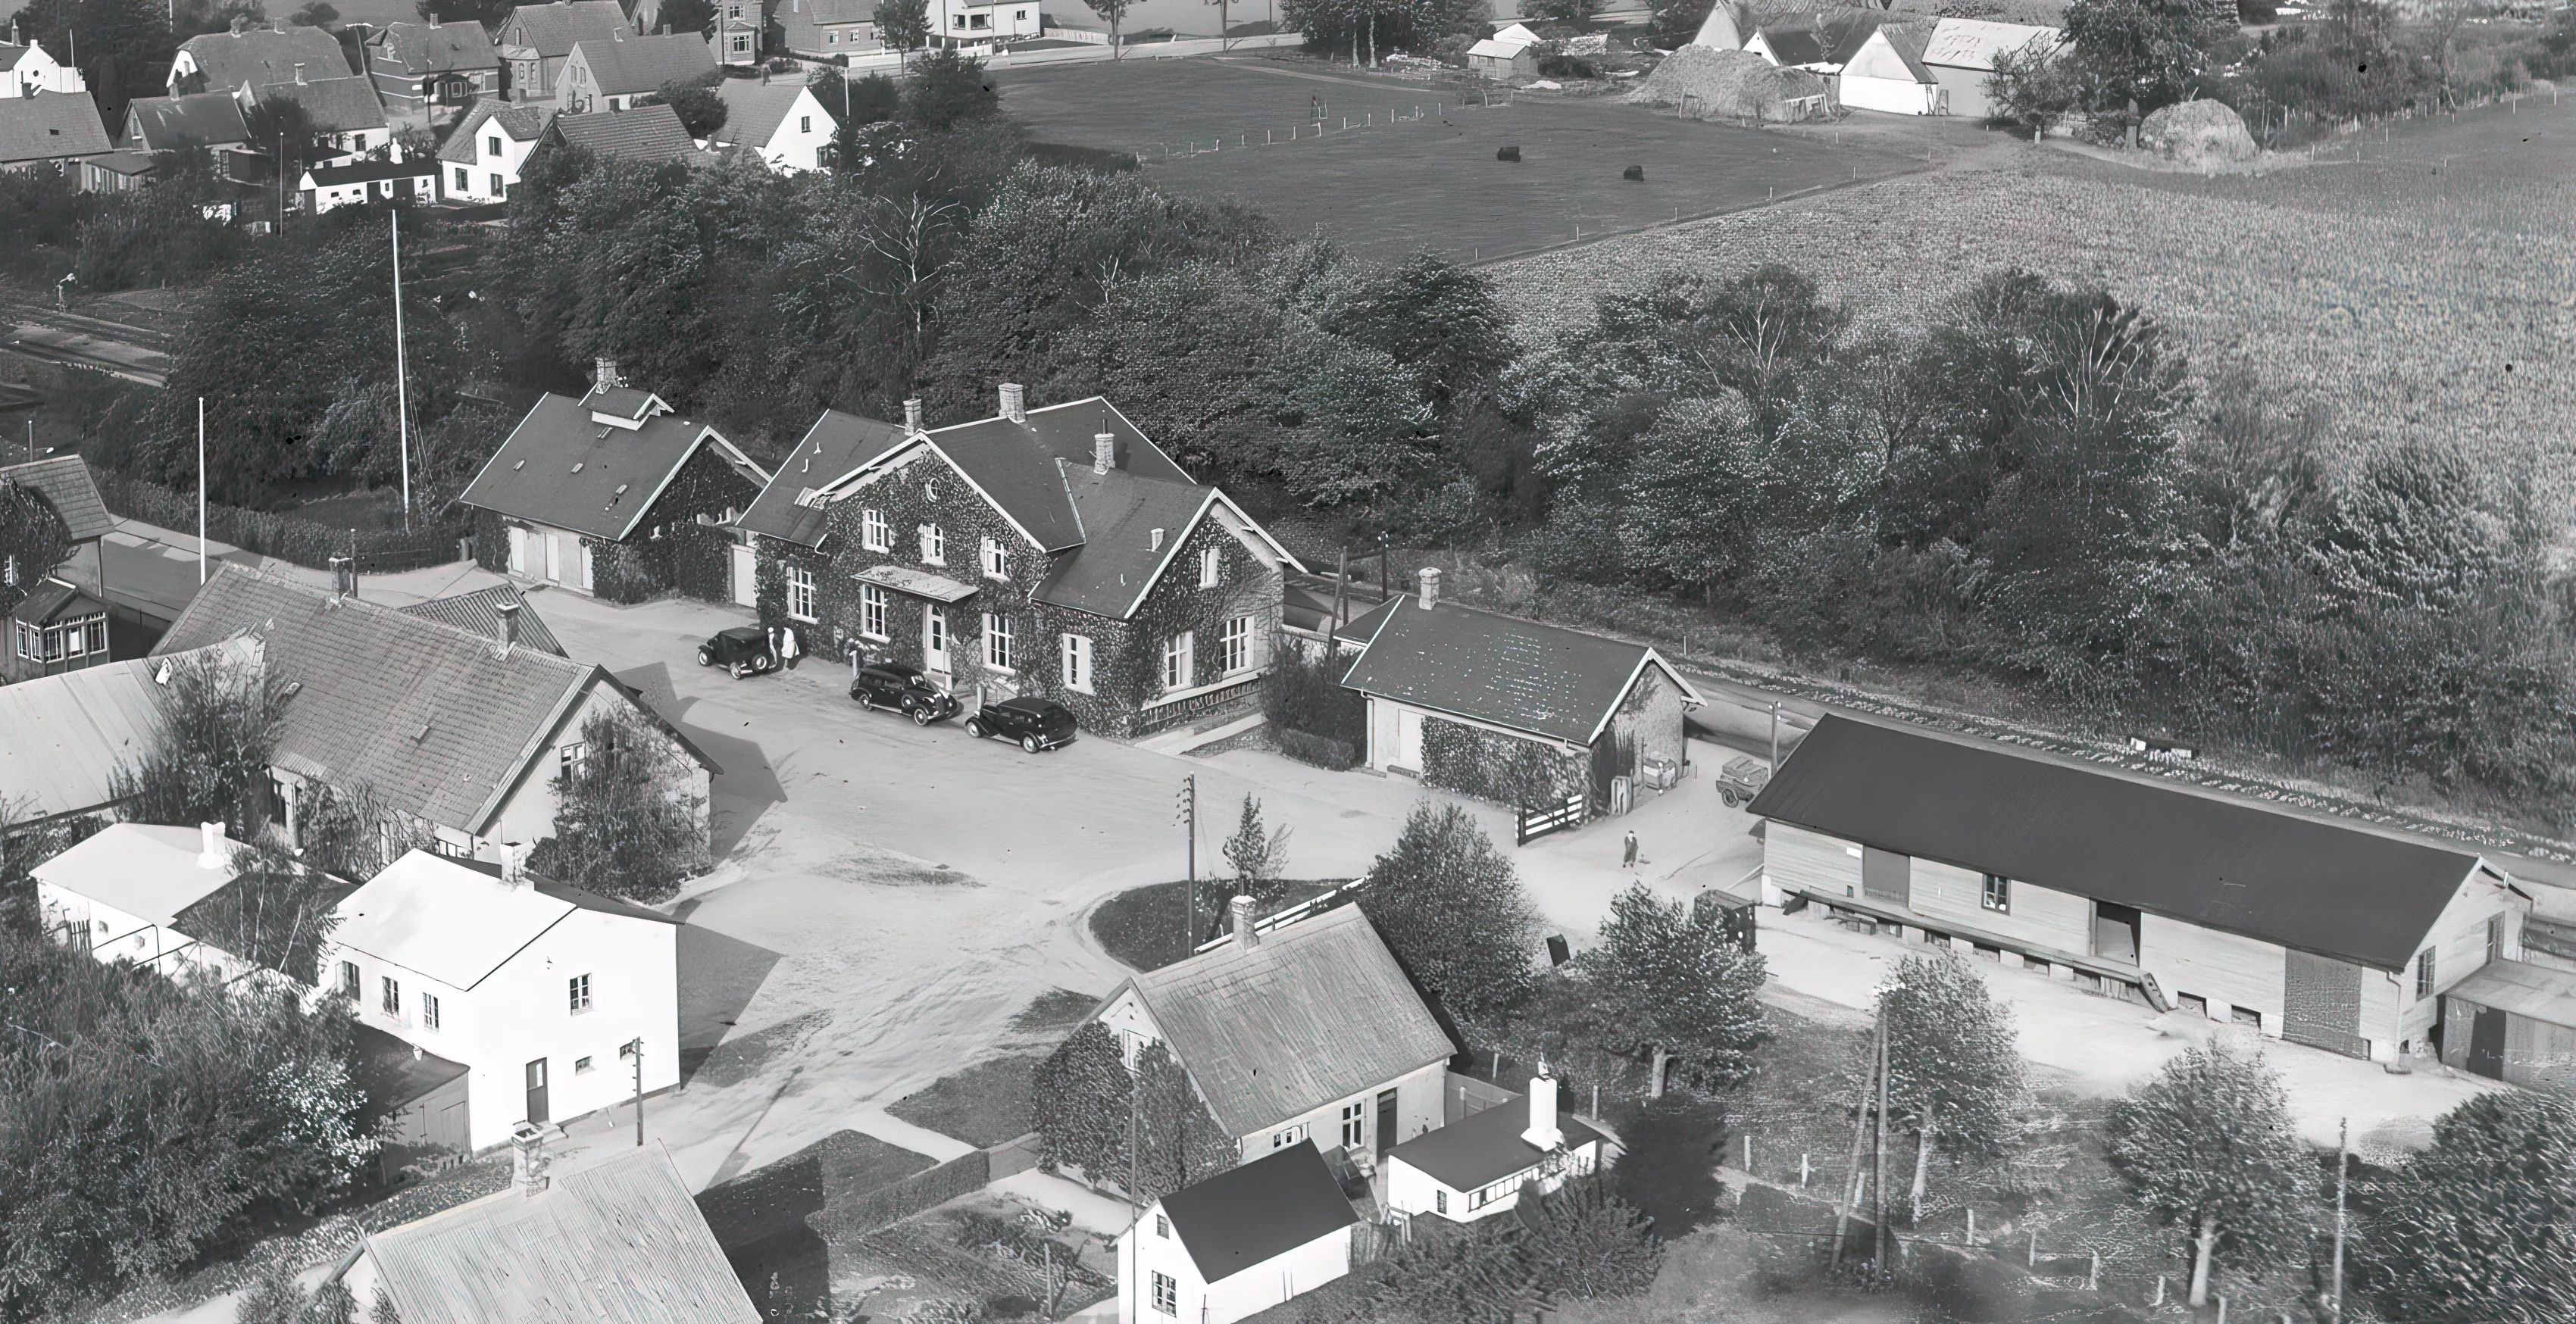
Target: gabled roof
(563, 468)
(65, 483)
(520, 123)
(52, 600)
(1908, 45)
(836, 445)
(234, 60)
(454, 920)
(1486, 1147)
(620, 65)
(147, 871)
(1497, 48)
(1118, 513)
(1791, 47)
(363, 171)
(549, 31)
(619, 1239)
(1258, 1211)
(1526, 676)
(480, 612)
(50, 126)
(650, 134)
(2328, 888)
(2528, 990)
(432, 48)
(1970, 43)
(63, 737)
(1318, 1010)
(347, 104)
(823, 13)
(199, 119)
(431, 716)
(1014, 463)
(754, 110)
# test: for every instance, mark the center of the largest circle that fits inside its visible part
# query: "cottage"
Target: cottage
(64, 485)
(119, 894)
(27, 68)
(355, 183)
(1886, 72)
(51, 130)
(542, 991)
(738, 31)
(1238, 1243)
(255, 57)
(1304, 1034)
(419, 68)
(1475, 1167)
(652, 135)
(1961, 55)
(177, 123)
(781, 123)
(343, 112)
(1052, 551)
(63, 737)
(117, 172)
(1510, 710)
(828, 29)
(612, 74)
(1509, 53)
(458, 735)
(533, 41)
(490, 146)
(617, 1237)
(612, 494)
(2313, 930)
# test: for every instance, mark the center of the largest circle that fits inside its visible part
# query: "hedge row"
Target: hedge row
(286, 537)
(844, 1219)
(1321, 751)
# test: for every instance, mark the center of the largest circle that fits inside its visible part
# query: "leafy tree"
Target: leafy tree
(1442, 322)
(1585, 1243)
(2413, 529)
(209, 760)
(626, 823)
(33, 540)
(904, 27)
(2206, 1148)
(1451, 908)
(1180, 1143)
(275, 915)
(701, 111)
(1675, 980)
(2035, 86)
(2481, 1225)
(1080, 1098)
(275, 1298)
(315, 14)
(1479, 1275)
(1255, 853)
(2134, 57)
(1112, 12)
(1953, 1068)
(948, 87)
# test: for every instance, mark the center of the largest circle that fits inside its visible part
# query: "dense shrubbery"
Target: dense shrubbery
(626, 822)
(286, 537)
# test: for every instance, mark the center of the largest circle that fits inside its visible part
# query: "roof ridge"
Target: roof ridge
(386, 609)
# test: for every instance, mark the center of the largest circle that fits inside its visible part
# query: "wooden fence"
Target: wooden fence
(1534, 823)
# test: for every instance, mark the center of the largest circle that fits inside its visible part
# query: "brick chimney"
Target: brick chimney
(528, 1159)
(1104, 452)
(1543, 1133)
(604, 375)
(912, 416)
(1239, 911)
(212, 849)
(509, 626)
(1015, 405)
(1428, 582)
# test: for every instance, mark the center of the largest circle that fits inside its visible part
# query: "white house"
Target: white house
(613, 74)
(1509, 53)
(828, 29)
(356, 183)
(1961, 54)
(120, 892)
(1309, 1032)
(1475, 1167)
(541, 990)
(1236, 1244)
(1887, 73)
(27, 69)
(977, 22)
(782, 122)
(482, 158)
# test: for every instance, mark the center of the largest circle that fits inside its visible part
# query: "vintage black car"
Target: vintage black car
(1036, 723)
(899, 687)
(743, 650)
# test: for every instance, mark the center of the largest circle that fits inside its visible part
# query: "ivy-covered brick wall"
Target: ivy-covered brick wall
(1490, 765)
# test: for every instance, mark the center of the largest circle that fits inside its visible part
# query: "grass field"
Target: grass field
(984, 1105)
(1387, 190)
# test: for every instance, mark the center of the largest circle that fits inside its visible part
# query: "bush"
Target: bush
(1452, 909)
(625, 824)
(1636, 173)
(286, 537)
(1511, 153)
(1304, 695)
(1566, 66)
(1098, 160)
(209, 761)
(1322, 752)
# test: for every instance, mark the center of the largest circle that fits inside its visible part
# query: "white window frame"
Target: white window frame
(1077, 663)
(389, 997)
(1211, 567)
(351, 983)
(1167, 1294)
(1293, 1135)
(577, 995)
(875, 607)
(1234, 647)
(934, 545)
(1996, 894)
(800, 594)
(1180, 661)
(581, 1066)
(997, 641)
(2424, 973)
(875, 534)
(997, 559)
(1355, 1124)
(429, 1011)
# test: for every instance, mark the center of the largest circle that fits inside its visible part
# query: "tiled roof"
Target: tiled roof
(333, 105)
(827, 12)
(2528, 990)
(65, 483)
(50, 126)
(129, 163)
(454, 920)
(1968, 43)
(1015, 462)
(650, 134)
(1118, 512)
(754, 109)
(200, 119)
(62, 737)
(837, 445)
(1791, 47)
(433, 48)
(518, 123)
(1317, 1011)
(479, 611)
(617, 1240)
(233, 60)
(562, 468)
(429, 715)
(52, 600)
(643, 64)
(551, 30)
(1486, 1147)
(1259, 1211)
(1544, 679)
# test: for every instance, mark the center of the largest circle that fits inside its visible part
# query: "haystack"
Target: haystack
(1731, 85)
(2198, 134)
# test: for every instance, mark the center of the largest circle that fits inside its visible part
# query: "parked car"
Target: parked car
(1036, 723)
(899, 687)
(1742, 779)
(743, 650)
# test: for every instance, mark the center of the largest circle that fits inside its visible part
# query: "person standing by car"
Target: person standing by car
(789, 649)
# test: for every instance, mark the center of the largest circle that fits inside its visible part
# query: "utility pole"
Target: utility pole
(2343, 1174)
(635, 1049)
(402, 374)
(1190, 854)
(277, 167)
(1852, 1172)
(1775, 735)
(1878, 1165)
(201, 498)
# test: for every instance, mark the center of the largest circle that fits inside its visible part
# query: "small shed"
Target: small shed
(1238, 1243)
(1502, 57)
(2515, 1022)
(54, 629)
(1475, 1167)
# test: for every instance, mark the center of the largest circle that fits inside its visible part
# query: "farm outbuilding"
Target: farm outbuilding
(1961, 53)
(2515, 1022)
(1510, 53)
(1701, 83)
(1887, 73)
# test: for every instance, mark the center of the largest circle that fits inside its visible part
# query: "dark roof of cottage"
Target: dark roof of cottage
(199, 119)
(435, 48)
(1118, 512)
(1794, 46)
(754, 109)
(65, 483)
(1545, 679)
(52, 600)
(1318, 1010)
(1485, 1147)
(651, 134)
(49, 126)
(551, 30)
(433, 717)
(480, 612)
(2328, 888)
(362, 171)
(562, 468)
(332, 105)
(233, 60)
(1307, 602)
(620, 65)
(521, 123)
(837, 444)
(1265, 1208)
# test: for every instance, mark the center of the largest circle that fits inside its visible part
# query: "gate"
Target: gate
(2321, 1005)
(1555, 817)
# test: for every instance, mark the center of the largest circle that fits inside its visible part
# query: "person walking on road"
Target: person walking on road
(1628, 852)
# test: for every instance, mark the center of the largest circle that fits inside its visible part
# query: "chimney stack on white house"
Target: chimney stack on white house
(1015, 402)
(344, 576)
(514, 864)
(509, 626)
(528, 1159)
(211, 852)
(1104, 452)
(1158, 540)
(1240, 911)
(604, 375)
(912, 416)
(1429, 582)
(1543, 1132)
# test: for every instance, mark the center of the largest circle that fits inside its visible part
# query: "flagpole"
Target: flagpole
(402, 375)
(201, 489)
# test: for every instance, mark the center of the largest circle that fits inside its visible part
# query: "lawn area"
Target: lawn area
(984, 1105)
(1143, 927)
(1389, 189)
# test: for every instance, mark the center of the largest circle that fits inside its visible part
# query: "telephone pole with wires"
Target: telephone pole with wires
(1189, 819)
